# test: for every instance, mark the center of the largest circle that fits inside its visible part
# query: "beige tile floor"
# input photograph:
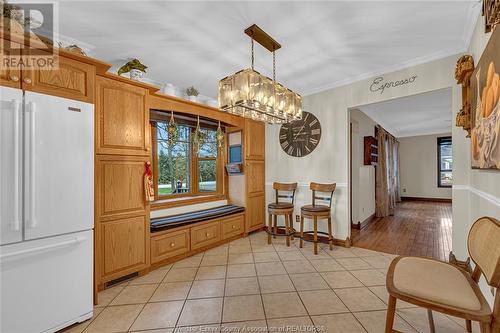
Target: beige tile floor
(248, 285)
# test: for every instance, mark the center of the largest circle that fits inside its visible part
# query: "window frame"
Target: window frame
(441, 141)
(193, 168)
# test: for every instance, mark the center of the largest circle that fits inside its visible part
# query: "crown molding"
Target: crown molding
(386, 70)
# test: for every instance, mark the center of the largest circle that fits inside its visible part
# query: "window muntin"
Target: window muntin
(445, 162)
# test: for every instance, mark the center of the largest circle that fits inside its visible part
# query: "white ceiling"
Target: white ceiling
(422, 114)
(324, 43)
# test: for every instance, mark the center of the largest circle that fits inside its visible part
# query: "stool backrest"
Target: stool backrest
(484, 248)
(285, 187)
(326, 189)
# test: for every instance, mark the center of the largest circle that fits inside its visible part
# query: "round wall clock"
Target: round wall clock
(300, 137)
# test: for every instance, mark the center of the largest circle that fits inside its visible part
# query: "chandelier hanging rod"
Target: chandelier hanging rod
(261, 37)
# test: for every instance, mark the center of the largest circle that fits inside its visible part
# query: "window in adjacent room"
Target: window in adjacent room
(177, 170)
(445, 162)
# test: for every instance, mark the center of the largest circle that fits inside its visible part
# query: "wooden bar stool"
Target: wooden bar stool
(281, 208)
(316, 212)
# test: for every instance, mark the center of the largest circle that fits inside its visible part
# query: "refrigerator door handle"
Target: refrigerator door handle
(15, 225)
(30, 179)
(70, 242)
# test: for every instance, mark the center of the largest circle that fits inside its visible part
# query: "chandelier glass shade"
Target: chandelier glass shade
(249, 94)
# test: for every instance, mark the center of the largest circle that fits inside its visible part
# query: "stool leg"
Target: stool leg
(275, 218)
(330, 232)
(468, 326)
(391, 312)
(301, 243)
(432, 328)
(269, 228)
(315, 235)
(287, 229)
(291, 226)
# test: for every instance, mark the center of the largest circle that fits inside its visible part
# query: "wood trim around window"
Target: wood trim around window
(194, 196)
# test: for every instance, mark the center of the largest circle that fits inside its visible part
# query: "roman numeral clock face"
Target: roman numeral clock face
(300, 137)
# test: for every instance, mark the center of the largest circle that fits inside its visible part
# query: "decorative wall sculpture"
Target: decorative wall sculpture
(463, 72)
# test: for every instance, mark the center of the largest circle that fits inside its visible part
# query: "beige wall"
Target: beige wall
(418, 167)
(363, 176)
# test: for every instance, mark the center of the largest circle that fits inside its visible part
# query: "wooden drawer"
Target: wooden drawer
(169, 245)
(205, 234)
(233, 226)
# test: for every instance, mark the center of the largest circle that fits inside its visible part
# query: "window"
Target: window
(180, 172)
(445, 162)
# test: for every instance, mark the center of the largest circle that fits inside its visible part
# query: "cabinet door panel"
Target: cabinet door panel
(120, 186)
(71, 79)
(255, 173)
(255, 212)
(10, 76)
(255, 133)
(125, 246)
(122, 118)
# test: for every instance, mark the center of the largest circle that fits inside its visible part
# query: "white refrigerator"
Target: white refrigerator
(46, 212)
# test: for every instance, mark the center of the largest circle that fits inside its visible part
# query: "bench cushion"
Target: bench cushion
(192, 217)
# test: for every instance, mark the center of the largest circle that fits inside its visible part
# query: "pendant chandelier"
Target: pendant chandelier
(249, 94)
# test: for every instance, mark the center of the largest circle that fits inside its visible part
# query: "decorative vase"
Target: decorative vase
(136, 74)
(169, 89)
(193, 98)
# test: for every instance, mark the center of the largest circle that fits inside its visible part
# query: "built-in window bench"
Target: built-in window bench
(182, 235)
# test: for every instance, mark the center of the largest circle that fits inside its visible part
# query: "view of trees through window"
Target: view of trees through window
(177, 164)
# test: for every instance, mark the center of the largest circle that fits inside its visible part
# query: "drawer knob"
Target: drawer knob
(27, 80)
(14, 78)
(207, 234)
(172, 244)
(234, 227)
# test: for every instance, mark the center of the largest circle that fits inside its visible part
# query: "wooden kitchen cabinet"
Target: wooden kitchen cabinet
(255, 173)
(233, 226)
(120, 186)
(72, 79)
(255, 134)
(10, 77)
(124, 247)
(255, 212)
(122, 118)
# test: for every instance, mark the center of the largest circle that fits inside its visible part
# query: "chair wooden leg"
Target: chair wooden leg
(269, 228)
(301, 242)
(432, 327)
(291, 226)
(275, 225)
(468, 326)
(330, 233)
(315, 235)
(485, 327)
(391, 312)
(287, 229)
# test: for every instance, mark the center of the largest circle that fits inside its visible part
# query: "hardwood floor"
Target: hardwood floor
(418, 228)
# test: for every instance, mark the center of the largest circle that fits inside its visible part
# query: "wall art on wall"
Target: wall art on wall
(485, 88)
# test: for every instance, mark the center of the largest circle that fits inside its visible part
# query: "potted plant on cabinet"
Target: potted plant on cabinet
(192, 94)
